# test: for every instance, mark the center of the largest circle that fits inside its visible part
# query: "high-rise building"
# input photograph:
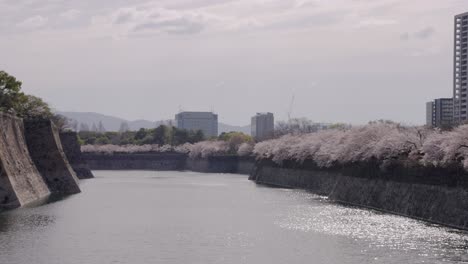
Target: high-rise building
(439, 113)
(430, 114)
(204, 121)
(263, 126)
(460, 83)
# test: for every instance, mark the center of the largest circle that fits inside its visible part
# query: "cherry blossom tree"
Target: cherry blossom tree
(383, 142)
(245, 149)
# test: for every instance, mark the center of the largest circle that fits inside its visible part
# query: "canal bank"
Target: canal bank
(169, 161)
(188, 217)
(33, 165)
(431, 194)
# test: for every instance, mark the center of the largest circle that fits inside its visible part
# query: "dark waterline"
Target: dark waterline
(184, 217)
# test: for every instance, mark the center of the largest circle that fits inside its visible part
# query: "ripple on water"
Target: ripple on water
(378, 229)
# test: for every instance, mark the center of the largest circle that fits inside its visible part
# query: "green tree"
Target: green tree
(33, 107)
(127, 138)
(141, 134)
(60, 121)
(148, 139)
(12, 99)
(235, 139)
(227, 136)
(160, 135)
(91, 140)
(180, 136)
(102, 140)
(11, 96)
(197, 136)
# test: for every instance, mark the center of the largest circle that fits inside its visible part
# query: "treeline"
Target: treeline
(232, 143)
(384, 142)
(162, 135)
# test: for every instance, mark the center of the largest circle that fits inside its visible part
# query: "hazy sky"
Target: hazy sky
(345, 60)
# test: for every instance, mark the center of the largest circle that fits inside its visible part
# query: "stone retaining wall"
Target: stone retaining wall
(72, 150)
(434, 195)
(20, 181)
(45, 147)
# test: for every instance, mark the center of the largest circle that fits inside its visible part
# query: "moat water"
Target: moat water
(143, 217)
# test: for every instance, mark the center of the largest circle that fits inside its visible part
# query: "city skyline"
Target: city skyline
(448, 112)
(343, 61)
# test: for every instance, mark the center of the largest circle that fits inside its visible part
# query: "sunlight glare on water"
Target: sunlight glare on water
(141, 217)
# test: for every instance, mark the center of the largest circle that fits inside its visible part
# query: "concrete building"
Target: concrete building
(439, 113)
(263, 126)
(204, 121)
(430, 114)
(460, 82)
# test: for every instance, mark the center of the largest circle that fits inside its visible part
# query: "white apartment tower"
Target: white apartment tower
(460, 83)
(263, 125)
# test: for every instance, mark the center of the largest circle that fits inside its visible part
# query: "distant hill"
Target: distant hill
(228, 128)
(112, 123)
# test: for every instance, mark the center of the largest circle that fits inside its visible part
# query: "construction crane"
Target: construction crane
(291, 105)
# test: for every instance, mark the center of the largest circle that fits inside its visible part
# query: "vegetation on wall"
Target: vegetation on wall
(14, 101)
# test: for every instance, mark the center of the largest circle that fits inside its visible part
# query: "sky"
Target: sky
(349, 61)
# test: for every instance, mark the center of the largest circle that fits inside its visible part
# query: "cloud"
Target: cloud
(34, 22)
(220, 16)
(181, 25)
(152, 19)
(110, 18)
(187, 5)
(425, 33)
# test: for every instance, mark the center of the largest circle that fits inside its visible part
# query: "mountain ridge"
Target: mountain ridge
(112, 123)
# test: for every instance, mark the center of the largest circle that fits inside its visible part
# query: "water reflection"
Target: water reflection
(23, 220)
(379, 230)
(181, 217)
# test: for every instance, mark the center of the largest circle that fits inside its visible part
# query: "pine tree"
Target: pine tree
(101, 128)
(124, 127)
(84, 127)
